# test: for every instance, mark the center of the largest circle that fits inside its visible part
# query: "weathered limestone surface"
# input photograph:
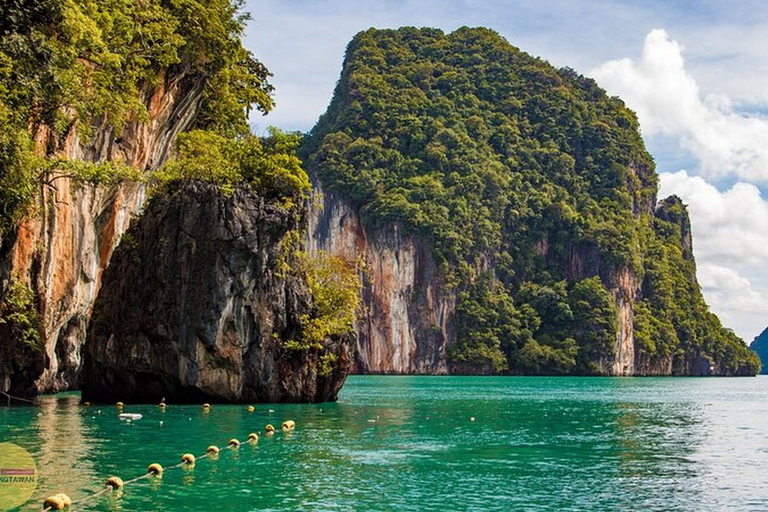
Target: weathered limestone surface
(198, 303)
(408, 312)
(62, 248)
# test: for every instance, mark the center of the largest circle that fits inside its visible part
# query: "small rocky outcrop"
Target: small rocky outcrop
(199, 302)
(760, 346)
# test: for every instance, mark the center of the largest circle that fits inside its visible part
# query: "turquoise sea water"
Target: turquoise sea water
(423, 443)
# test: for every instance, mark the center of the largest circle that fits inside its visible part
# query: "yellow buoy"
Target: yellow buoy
(233, 443)
(251, 408)
(188, 458)
(253, 437)
(161, 405)
(269, 428)
(87, 404)
(57, 502)
(66, 499)
(119, 404)
(155, 469)
(115, 482)
(54, 503)
(289, 425)
(213, 450)
(206, 406)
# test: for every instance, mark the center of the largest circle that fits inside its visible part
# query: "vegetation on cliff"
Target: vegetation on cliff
(760, 346)
(19, 318)
(535, 191)
(268, 165)
(89, 69)
(67, 64)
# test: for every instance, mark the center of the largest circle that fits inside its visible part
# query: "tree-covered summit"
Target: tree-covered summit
(536, 194)
(760, 346)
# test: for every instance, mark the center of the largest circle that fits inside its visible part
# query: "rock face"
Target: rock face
(197, 304)
(409, 319)
(62, 248)
(408, 311)
(507, 214)
(760, 345)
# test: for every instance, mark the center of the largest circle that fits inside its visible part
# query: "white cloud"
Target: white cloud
(729, 291)
(734, 299)
(730, 241)
(668, 101)
(729, 226)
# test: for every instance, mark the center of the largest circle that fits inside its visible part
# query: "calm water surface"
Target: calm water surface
(423, 443)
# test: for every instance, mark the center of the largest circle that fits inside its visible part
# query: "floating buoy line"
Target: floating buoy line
(61, 501)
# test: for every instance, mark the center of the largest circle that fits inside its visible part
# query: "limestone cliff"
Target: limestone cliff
(409, 313)
(507, 214)
(408, 310)
(62, 247)
(199, 302)
(760, 346)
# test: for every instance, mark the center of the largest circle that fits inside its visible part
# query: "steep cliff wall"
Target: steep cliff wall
(63, 246)
(199, 303)
(760, 346)
(408, 310)
(625, 288)
(507, 214)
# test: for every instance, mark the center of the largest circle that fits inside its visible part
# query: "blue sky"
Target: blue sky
(694, 71)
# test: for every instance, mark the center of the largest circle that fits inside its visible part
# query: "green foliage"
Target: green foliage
(573, 327)
(82, 63)
(269, 165)
(555, 359)
(19, 315)
(335, 286)
(98, 173)
(495, 156)
(202, 155)
(594, 320)
(673, 320)
(17, 172)
(325, 365)
(487, 324)
(235, 81)
(81, 59)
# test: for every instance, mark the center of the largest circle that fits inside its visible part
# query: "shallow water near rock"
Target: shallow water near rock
(421, 443)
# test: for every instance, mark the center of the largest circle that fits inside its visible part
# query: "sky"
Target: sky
(695, 72)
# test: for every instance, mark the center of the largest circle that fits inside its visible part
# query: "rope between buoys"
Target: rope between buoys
(62, 501)
(11, 397)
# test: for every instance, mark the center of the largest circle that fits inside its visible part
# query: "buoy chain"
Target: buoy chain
(62, 501)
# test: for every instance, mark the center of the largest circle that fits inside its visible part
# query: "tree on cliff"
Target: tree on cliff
(75, 64)
(536, 193)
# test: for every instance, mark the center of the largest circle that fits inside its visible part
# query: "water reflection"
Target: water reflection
(411, 444)
(62, 447)
(658, 443)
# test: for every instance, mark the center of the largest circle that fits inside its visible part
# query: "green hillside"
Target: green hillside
(535, 191)
(760, 346)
